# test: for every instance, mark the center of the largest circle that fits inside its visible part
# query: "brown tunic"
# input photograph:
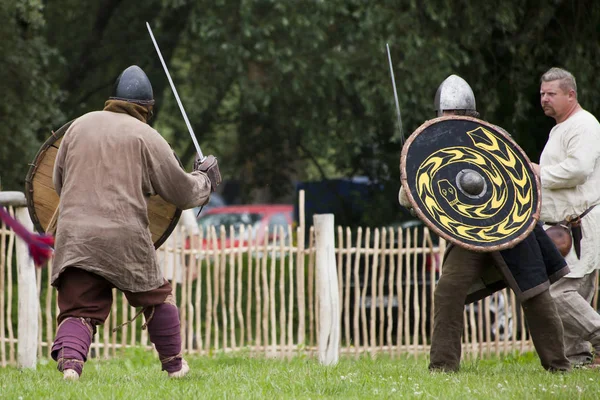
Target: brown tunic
(107, 166)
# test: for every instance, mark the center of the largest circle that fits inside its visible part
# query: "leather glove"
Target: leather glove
(211, 168)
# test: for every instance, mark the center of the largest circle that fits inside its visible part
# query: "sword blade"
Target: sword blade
(187, 122)
(395, 94)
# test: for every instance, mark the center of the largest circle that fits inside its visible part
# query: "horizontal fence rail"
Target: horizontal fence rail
(262, 297)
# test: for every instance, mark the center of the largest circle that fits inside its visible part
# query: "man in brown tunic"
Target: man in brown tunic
(107, 166)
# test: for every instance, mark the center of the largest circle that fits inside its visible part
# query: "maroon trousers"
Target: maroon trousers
(85, 300)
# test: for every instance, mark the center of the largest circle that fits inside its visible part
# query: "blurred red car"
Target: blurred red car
(255, 218)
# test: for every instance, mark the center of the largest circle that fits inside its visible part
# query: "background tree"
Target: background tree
(30, 99)
(289, 91)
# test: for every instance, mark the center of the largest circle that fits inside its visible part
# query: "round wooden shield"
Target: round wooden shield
(471, 183)
(42, 200)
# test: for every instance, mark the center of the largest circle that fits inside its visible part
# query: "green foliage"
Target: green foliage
(30, 98)
(136, 374)
(290, 90)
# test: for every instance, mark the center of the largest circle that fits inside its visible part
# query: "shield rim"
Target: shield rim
(485, 249)
(56, 135)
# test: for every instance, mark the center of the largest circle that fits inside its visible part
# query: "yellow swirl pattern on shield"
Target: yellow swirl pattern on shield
(492, 157)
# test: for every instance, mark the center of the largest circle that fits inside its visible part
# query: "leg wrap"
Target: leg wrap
(72, 343)
(164, 330)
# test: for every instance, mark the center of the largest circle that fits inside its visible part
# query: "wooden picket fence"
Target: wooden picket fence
(261, 298)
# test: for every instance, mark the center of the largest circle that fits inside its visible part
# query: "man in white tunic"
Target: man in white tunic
(570, 177)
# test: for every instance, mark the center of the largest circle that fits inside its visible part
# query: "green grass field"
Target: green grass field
(136, 375)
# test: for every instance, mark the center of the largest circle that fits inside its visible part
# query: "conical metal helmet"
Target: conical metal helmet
(134, 86)
(454, 94)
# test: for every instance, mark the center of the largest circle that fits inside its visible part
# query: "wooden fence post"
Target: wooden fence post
(27, 288)
(328, 290)
(301, 271)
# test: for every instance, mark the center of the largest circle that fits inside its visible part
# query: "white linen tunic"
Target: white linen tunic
(570, 177)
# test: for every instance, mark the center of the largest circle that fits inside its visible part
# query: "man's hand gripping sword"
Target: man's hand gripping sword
(208, 164)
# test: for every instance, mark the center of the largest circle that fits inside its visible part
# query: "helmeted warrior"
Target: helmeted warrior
(527, 268)
(108, 165)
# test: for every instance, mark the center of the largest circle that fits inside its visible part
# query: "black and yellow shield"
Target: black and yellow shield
(470, 183)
